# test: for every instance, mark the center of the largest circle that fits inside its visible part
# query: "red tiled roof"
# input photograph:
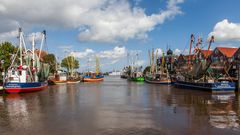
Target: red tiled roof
(43, 53)
(206, 53)
(227, 51)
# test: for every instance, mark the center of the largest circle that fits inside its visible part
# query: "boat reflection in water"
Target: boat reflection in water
(17, 110)
(119, 107)
(223, 117)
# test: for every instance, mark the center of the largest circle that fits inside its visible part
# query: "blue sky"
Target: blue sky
(111, 28)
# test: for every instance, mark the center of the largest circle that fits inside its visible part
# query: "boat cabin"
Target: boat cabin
(18, 74)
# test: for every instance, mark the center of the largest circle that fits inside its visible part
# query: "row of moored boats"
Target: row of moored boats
(214, 70)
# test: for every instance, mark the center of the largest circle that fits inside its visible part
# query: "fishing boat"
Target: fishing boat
(94, 77)
(30, 74)
(158, 70)
(125, 72)
(137, 79)
(198, 73)
(72, 64)
(135, 71)
(59, 78)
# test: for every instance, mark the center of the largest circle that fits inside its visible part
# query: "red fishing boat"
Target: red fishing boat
(31, 74)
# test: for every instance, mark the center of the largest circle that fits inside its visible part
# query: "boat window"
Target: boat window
(20, 72)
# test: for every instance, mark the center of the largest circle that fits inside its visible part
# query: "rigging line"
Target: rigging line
(184, 49)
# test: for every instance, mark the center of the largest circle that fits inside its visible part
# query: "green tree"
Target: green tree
(51, 60)
(70, 63)
(7, 51)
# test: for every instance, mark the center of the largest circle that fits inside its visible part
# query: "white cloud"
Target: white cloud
(108, 56)
(116, 53)
(83, 54)
(66, 47)
(37, 36)
(158, 51)
(97, 20)
(8, 35)
(225, 30)
(177, 52)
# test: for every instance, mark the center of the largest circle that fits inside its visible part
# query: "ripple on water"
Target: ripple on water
(131, 131)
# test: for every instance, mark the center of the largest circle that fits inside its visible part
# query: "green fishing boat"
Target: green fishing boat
(135, 71)
(137, 79)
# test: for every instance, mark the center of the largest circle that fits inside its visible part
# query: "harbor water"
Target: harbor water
(119, 107)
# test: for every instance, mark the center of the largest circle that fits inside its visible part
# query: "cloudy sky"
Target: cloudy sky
(113, 28)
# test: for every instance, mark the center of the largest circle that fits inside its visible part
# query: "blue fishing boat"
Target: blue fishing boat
(94, 77)
(224, 86)
(200, 71)
(31, 74)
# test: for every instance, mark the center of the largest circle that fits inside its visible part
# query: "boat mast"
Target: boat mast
(137, 65)
(197, 49)
(20, 45)
(190, 50)
(33, 57)
(88, 65)
(155, 62)
(210, 43)
(43, 39)
(33, 49)
(150, 61)
(152, 66)
(97, 65)
(56, 64)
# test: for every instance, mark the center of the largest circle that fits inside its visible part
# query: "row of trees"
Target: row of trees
(8, 50)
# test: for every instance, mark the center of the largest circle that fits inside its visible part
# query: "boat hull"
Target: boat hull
(14, 87)
(137, 79)
(55, 82)
(213, 87)
(123, 77)
(72, 81)
(93, 79)
(158, 81)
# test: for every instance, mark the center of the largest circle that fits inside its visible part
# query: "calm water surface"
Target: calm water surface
(119, 107)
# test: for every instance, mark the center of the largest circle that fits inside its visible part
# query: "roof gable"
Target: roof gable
(227, 51)
(206, 53)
